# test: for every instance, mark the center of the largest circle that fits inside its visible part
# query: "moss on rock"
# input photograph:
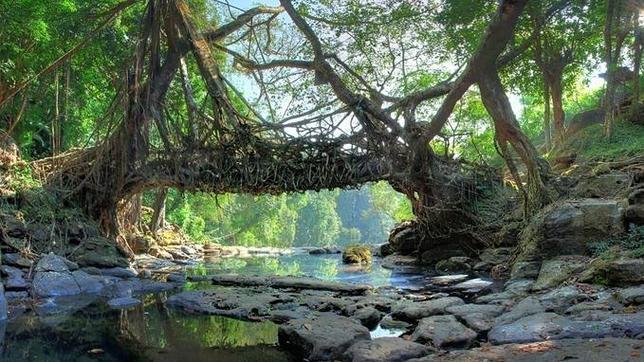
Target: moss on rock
(359, 254)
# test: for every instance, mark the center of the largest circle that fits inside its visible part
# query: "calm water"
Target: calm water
(84, 329)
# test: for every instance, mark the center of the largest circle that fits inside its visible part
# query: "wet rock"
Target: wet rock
(403, 238)
(449, 279)
(478, 317)
(443, 331)
(100, 252)
(322, 338)
(123, 303)
(16, 260)
(454, 264)
(241, 303)
(551, 326)
(317, 251)
(400, 262)
(473, 285)
(587, 306)
(558, 300)
(120, 272)
(413, 311)
(15, 278)
(390, 349)
(389, 323)
(16, 295)
(482, 266)
(54, 263)
(634, 295)
(555, 271)
(289, 282)
(496, 255)
(368, 317)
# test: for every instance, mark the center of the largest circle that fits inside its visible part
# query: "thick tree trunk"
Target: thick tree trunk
(546, 115)
(612, 17)
(555, 80)
(158, 217)
(637, 64)
(508, 130)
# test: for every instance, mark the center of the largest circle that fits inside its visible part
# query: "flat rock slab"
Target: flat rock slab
(551, 326)
(633, 295)
(606, 349)
(391, 349)
(443, 331)
(412, 311)
(321, 338)
(288, 283)
(449, 279)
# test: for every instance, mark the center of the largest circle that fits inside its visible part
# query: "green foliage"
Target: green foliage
(631, 243)
(590, 144)
(391, 203)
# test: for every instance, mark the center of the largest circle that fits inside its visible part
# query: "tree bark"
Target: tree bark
(555, 80)
(612, 17)
(158, 218)
(546, 115)
(637, 64)
(508, 130)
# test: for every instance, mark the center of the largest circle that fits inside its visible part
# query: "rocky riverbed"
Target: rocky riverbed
(456, 316)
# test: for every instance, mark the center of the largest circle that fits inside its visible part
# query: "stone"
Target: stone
(54, 263)
(636, 197)
(555, 271)
(123, 303)
(16, 260)
(560, 299)
(449, 279)
(551, 326)
(496, 255)
(16, 296)
(282, 282)
(454, 264)
(176, 278)
(15, 279)
(473, 285)
(528, 306)
(3, 304)
(618, 272)
(88, 284)
(413, 311)
(100, 252)
(120, 272)
(525, 270)
(54, 284)
(634, 214)
(500, 272)
(357, 255)
(321, 338)
(566, 227)
(482, 266)
(403, 238)
(368, 317)
(478, 317)
(389, 323)
(608, 185)
(157, 252)
(391, 349)
(141, 243)
(633, 295)
(443, 331)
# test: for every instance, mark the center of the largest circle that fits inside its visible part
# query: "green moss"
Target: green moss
(590, 144)
(358, 254)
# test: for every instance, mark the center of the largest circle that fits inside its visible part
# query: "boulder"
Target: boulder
(87, 284)
(608, 185)
(368, 317)
(141, 244)
(357, 255)
(496, 255)
(528, 306)
(3, 304)
(15, 278)
(16, 260)
(55, 284)
(551, 326)
(321, 338)
(100, 252)
(617, 272)
(454, 264)
(555, 271)
(413, 311)
(403, 238)
(391, 349)
(443, 331)
(633, 295)
(524, 270)
(478, 317)
(54, 263)
(634, 214)
(565, 228)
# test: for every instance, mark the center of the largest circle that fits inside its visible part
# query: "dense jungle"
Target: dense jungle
(321, 180)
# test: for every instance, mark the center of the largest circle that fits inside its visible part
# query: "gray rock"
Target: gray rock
(123, 303)
(454, 264)
(560, 299)
(496, 255)
(15, 279)
(633, 295)
(528, 306)
(55, 283)
(100, 252)
(551, 326)
(482, 266)
(176, 278)
(525, 270)
(17, 260)
(120, 272)
(87, 283)
(443, 331)
(449, 279)
(479, 322)
(413, 311)
(368, 317)
(391, 349)
(16, 295)
(474, 285)
(322, 338)
(3, 304)
(389, 323)
(54, 263)
(465, 309)
(555, 271)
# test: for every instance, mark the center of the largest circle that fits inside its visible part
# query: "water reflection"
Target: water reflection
(149, 332)
(328, 267)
